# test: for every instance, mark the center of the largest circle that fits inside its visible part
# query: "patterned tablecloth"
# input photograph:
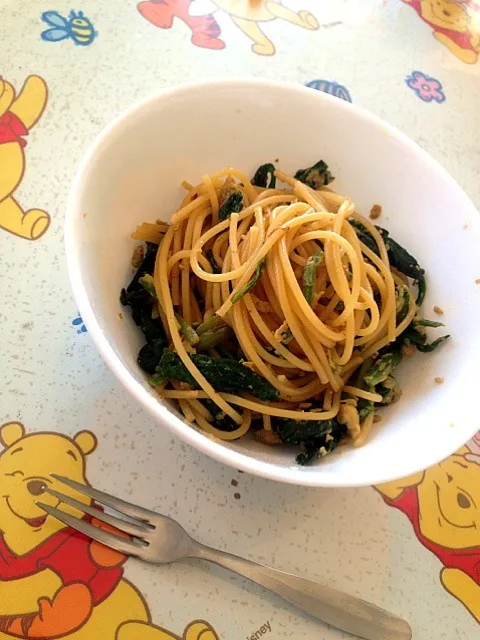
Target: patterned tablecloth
(66, 71)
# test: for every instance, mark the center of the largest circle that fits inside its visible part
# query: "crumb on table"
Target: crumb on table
(438, 310)
(439, 380)
(375, 211)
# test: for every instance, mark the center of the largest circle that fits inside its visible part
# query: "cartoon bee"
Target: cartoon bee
(334, 89)
(76, 26)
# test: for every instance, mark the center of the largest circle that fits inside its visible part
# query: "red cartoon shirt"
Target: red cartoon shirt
(467, 560)
(462, 38)
(67, 554)
(12, 128)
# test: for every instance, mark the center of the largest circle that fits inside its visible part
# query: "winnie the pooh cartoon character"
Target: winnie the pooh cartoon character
(161, 13)
(18, 114)
(452, 25)
(55, 582)
(247, 14)
(443, 505)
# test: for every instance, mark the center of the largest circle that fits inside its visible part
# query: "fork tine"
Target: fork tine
(108, 539)
(123, 525)
(127, 508)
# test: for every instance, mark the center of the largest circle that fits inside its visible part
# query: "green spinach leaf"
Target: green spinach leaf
(233, 204)
(223, 374)
(251, 283)
(265, 176)
(316, 176)
(308, 278)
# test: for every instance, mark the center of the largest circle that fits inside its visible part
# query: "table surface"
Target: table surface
(412, 63)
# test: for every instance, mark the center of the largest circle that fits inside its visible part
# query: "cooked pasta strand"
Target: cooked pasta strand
(292, 283)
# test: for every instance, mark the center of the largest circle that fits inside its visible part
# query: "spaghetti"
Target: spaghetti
(275, 309)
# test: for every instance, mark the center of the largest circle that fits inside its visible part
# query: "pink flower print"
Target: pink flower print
(426, 88)
(474, 446)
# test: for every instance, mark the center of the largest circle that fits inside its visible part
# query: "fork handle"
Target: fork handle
(338, 609)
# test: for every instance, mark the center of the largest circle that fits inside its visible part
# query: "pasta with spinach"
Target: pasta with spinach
(272, 305)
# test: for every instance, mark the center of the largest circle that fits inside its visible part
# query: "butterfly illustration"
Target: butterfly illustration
(78, 322)
(76, 27)
(334, 89)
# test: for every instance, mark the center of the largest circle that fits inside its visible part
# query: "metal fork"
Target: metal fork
(159, 540)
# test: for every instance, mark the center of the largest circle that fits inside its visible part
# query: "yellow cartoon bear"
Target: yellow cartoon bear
(55, 582)
(443, 505)
(246, 14)
(18, 114)
(452, 24)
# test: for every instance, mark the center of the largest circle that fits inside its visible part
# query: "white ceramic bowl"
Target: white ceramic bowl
(132, 173)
